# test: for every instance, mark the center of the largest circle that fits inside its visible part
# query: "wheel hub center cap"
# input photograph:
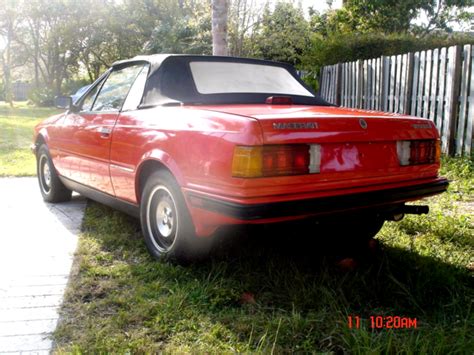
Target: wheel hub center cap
(165, 219)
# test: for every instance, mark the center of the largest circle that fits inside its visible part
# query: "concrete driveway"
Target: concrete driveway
(37, 242)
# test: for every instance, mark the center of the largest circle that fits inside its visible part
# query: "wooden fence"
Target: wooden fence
(436, 84)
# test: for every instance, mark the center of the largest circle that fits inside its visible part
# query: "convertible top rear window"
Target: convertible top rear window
(227, 77)
(214, 80)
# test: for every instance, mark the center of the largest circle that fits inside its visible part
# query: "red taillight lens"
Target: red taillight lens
(285, 160)
(276, 160)
(418, 152)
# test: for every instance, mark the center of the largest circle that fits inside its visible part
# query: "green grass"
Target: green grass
(278, 292)
(16, 134)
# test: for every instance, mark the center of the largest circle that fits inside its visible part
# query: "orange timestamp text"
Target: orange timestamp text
(382, 322)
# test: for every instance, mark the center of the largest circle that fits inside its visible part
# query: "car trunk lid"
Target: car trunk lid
(350, 140)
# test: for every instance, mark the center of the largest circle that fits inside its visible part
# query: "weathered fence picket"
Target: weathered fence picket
(436, 84)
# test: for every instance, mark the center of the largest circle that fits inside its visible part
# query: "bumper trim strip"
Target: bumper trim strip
(322, 205)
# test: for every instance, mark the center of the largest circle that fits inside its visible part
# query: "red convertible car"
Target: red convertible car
(192, 143)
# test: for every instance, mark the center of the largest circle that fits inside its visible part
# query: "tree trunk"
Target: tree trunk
(7, 64)
(219, 27)
(36, 59)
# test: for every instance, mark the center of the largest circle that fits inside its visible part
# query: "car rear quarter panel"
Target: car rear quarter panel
(196, 146)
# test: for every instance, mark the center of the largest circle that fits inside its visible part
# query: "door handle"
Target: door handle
(104, 131)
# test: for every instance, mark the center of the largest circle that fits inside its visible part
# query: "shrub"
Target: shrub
(70, 87)
(42, 97)
(339, 48)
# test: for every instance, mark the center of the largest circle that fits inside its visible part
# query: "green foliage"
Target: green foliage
(71, 86)
(283, 34)
(391, 16)
(43, 97)
(386, 16)
(181, 28)
(365, 29)
(243, 21)
(60, 41)
(339, 48)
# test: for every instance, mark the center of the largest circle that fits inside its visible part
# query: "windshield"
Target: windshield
(212, 77)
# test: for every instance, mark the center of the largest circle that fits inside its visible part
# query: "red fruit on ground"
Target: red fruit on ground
(347, 264)
(373, 245)
(247, 298)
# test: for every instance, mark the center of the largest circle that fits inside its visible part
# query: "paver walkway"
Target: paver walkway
(37, 242)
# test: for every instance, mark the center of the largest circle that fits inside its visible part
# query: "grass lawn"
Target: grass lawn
(16, 133)
(278, 291)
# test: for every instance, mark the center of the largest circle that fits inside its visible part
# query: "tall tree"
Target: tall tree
(9, 52)
(245, 16)
(176, 27)
(390, 16)
(442, 14)
(219, 27)
(283, 34)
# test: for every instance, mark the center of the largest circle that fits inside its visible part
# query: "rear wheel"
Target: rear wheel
(166, 223)
(51, 187)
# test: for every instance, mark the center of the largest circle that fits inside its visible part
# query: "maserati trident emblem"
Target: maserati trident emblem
(362, 123)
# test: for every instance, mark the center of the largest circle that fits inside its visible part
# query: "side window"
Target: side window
(135, 95)
(88, 101)
(115, 89)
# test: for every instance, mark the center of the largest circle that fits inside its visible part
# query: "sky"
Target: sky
(320, 5)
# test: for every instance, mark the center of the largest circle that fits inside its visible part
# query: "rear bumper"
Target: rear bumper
(317, 206)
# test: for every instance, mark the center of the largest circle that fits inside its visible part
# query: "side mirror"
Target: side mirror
(64, 102)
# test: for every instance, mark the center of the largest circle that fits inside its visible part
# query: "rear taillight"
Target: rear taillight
(275, 160)
(418, 152)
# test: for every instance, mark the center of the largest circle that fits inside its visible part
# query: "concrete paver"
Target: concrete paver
(37, 243)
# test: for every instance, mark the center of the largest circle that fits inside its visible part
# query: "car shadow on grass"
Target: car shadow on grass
(277, 289)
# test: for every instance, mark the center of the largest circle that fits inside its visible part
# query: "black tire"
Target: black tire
(51, 187)
(166, 223)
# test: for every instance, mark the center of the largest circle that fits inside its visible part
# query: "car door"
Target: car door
(66, 163)
(91, 130)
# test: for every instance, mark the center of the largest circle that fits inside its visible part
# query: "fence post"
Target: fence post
(385, 76)
(409, 84)
(338, 84)
(452, 94)
(360, 80)
(320, 82)
(463, 98)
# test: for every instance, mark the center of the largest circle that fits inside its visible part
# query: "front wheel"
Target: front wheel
(51, 187)
(166, 223)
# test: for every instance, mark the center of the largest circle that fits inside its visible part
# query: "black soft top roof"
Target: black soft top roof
(170, 82)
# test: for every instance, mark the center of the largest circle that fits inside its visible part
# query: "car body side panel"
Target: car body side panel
(196, 146)
(84, 149)
(49, 130)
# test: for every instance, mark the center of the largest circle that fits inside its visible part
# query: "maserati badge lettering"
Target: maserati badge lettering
(295, 125)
